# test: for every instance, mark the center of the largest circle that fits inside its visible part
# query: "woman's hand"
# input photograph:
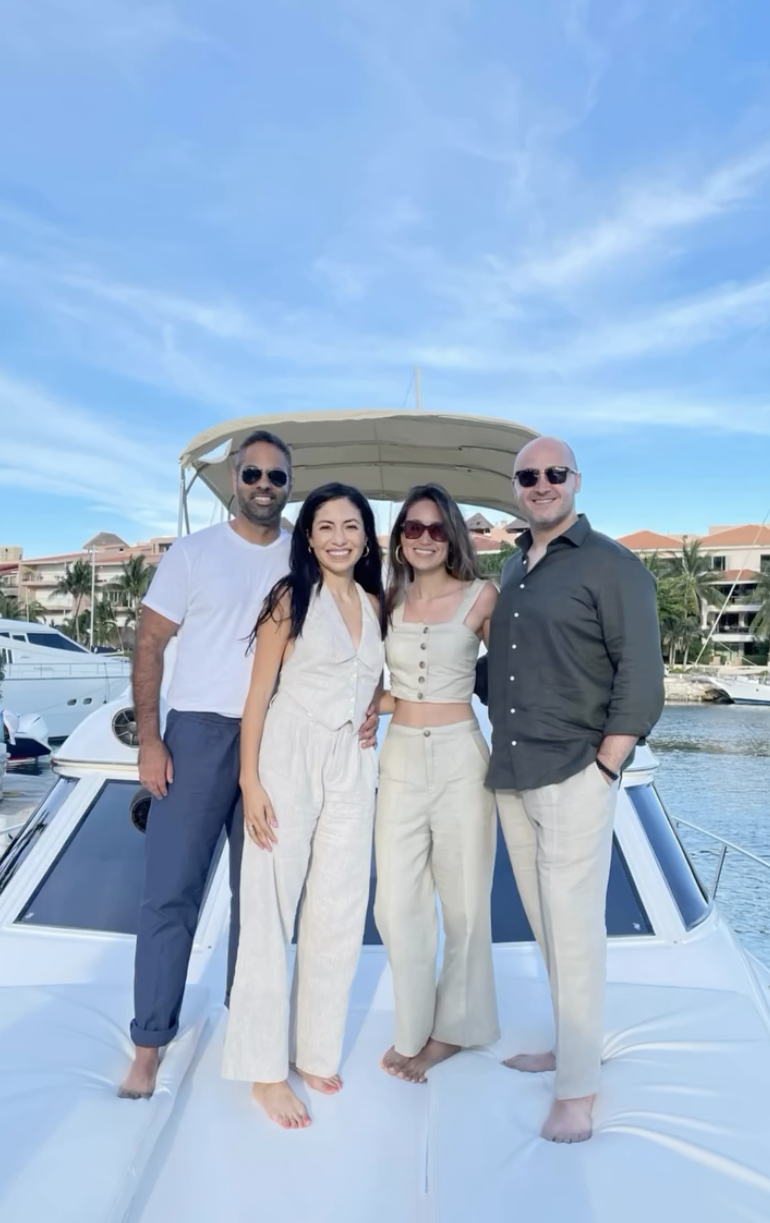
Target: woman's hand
(259, 817)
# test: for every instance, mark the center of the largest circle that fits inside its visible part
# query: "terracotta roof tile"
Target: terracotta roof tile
(650, 541)
(739, 537)
(736, 575)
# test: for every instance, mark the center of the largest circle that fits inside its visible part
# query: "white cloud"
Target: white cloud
(50, 445)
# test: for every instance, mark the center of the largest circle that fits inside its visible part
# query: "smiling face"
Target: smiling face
(424, 553)
(337, 536)
(261, 499)
(546, 505)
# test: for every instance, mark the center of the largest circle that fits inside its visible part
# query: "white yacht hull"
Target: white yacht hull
(744, 691)
(64, 693)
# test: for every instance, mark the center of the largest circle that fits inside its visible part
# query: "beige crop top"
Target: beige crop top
(434, 662)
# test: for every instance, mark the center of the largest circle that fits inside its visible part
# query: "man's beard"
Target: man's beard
(262, 515)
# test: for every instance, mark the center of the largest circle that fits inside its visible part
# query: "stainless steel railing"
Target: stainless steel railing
(725, 845)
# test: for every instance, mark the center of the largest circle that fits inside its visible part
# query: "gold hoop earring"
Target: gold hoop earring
(399, 558)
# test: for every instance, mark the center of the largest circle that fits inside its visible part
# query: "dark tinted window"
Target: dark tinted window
(30, 834)
(55, 641)
(96, 881)
(625, 913)
(688, 892)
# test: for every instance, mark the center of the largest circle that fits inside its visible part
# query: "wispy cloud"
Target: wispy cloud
(54, 446)
(126, 32)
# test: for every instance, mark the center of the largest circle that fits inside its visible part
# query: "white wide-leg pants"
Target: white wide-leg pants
(559, 839)
(322, 785)
(435, 830)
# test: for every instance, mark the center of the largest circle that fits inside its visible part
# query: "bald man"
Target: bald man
(575, 682)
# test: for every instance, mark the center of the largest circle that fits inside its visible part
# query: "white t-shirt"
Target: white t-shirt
(212, 584)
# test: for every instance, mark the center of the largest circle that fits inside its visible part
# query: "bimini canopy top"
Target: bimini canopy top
(383, 453)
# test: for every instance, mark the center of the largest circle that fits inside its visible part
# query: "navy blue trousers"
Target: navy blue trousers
(183, 830)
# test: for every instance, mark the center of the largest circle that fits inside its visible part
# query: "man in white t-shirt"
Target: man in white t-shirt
(208, 590)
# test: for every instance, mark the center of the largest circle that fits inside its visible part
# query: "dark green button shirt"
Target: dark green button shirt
(574, 655)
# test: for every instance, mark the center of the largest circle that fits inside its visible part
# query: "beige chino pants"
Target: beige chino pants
(435, 830)
(322, 785)
(559, 839)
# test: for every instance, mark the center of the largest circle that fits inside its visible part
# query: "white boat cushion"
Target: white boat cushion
(71, 1151)
(682, 1123)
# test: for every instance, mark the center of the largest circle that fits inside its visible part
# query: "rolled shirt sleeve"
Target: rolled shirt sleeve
(628, 613)
(168, 594)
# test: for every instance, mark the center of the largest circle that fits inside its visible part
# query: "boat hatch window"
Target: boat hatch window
(19, 637)
(35, 826)
(55, 641)
(96, 881)
(686, 888)
(3, 633)
(626, 915)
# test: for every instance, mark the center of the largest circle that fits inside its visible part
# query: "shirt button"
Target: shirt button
(420, 696)
(515, 615)
(423, 645)
(513, 647)
(513, 711)
(426, 629)
(421, 680)
(513, 742)
(522, 586)
(422, 664)
(427, 734)
(512, 678)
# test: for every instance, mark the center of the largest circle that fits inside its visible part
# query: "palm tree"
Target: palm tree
(697, 577)
(134, 581)
(9, 607)
(76, 583)
(35, 612)
(105, 626)
(77, 629)
(658, 565)
(760, 624)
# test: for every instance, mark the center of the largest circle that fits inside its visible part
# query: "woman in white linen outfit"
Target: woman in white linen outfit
(435, 828)
(308, 803)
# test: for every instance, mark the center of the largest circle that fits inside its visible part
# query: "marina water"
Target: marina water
(715, 771)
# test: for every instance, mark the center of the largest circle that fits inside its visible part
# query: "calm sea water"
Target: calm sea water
(715, 772)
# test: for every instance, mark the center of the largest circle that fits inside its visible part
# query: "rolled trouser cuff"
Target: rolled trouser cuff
(152, 1039)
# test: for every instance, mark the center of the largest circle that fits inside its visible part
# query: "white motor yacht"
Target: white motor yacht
(744, 691)
(48, 674)
(682, 1126)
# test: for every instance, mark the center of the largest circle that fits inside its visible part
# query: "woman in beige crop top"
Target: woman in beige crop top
(435, 828)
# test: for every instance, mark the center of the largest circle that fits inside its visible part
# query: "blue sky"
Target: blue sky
(560, 211)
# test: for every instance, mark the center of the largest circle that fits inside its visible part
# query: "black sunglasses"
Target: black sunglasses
(529, 476)
(276, 475)
(414, 529)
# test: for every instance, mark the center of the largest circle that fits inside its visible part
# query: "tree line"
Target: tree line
(685, 589)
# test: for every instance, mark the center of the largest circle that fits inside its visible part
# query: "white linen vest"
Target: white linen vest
(332, 681)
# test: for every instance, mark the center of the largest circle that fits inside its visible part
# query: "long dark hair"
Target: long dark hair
(305, 575)
(462, 559)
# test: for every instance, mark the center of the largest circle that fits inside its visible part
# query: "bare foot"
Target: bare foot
(531, 1063)
(139, 1083)
(281, 1105)
(570, 1120)
(394, 1063)
(434, 1052)
(327, 1086)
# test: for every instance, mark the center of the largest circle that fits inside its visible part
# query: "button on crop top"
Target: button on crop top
(434, 662)
(325, 674)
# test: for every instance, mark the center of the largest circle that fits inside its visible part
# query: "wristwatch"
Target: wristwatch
(608, 772)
